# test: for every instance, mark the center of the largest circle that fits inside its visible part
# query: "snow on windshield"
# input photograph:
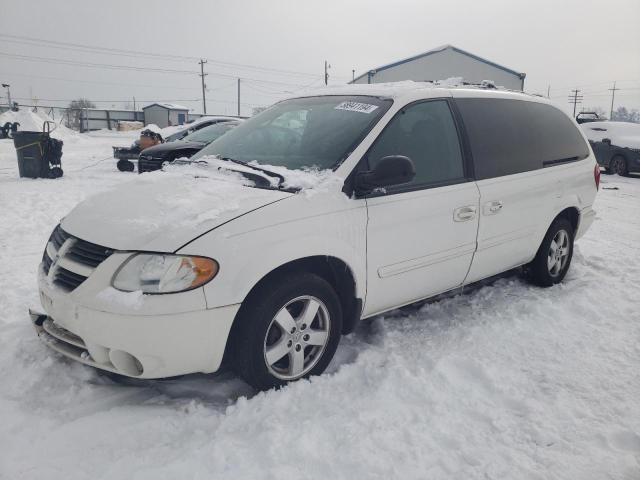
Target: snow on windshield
(308, 180)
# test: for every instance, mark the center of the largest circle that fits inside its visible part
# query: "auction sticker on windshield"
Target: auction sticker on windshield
(356, 107)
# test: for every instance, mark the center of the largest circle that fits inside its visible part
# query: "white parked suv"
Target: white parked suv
(437, 188)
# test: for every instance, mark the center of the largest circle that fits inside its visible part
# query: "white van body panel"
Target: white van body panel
(415, 246)
(397, 248)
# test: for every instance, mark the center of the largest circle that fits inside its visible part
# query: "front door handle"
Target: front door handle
(491, 208)
(463, 214)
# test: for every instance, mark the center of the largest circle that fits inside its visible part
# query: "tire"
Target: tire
(619, 165)
(549, 266)
(272, 343)
(125, 166)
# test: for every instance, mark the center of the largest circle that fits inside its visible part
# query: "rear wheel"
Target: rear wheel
(289, 329)
(553, 258)
(619, 165)
(125, 166)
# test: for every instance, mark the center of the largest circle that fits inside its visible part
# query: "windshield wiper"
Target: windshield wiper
(280, 178)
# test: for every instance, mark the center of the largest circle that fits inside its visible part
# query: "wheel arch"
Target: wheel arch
(572, 214)
(334, 270)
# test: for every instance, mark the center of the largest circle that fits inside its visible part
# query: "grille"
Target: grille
(149, 164)
(57, 238)
(80, 251)
(67, 279)
(88, 253)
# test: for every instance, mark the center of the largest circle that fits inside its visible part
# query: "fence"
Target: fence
(93, 118)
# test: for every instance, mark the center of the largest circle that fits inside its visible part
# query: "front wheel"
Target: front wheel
(553, 258)
(125, 166)
(289, 329)
(619, 165)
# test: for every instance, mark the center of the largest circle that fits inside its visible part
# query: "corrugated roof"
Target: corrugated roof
(440, 49)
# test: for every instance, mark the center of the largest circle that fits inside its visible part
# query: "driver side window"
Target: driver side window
(426, 133)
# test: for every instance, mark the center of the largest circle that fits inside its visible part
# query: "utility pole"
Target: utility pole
(613, 96)
(575, 99)
(134, 104)
(353, 75)
(238, 97)
(326, 72)
(6, 85)
(548, 90)
(202, 75)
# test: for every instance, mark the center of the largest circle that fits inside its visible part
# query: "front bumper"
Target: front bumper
(135, 345)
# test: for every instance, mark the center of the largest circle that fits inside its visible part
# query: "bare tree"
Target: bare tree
(75, 112)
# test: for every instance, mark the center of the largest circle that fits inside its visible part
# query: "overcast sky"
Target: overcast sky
(564, 44)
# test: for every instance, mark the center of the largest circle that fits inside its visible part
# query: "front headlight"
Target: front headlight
(159, 273)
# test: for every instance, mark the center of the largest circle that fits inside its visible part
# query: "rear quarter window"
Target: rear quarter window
(513, 136)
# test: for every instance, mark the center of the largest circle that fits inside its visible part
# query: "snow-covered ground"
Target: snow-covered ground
(507, 382)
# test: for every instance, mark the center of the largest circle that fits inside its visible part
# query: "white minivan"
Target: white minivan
(277, 238)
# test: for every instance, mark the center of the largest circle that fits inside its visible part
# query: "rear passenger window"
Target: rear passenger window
(426, 133)
(514, 136)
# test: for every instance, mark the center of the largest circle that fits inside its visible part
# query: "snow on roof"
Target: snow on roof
(622, 134)
(398, 89)
(168, 106)
(437, 50)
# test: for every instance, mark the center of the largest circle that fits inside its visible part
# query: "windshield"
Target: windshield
(210, 133)
(314, 132)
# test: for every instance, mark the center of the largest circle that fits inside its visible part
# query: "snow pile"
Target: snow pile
(33, 121)
(621, 134)
(309, 180)
(110, 297)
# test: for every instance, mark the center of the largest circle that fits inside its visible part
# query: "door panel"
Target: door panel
(508, 236)
(415, 249)
(420, 236)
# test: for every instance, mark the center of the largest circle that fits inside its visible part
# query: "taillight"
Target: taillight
(596, 176)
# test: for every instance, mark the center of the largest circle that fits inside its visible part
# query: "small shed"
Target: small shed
(442, 63)
(165, 114)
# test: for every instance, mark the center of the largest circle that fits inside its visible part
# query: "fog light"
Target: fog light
(126, 363)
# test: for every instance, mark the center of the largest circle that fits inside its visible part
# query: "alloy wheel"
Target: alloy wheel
(558, 253)
(297, 337)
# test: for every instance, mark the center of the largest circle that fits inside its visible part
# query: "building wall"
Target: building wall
(156, 115)
(446, 64)
(162, 116)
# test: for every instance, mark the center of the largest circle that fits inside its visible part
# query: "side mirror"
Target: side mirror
(391, 170)
(607, 141)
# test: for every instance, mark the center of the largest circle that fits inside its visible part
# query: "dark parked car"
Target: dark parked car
(124, 155)
(616, 145)
(586, 117)
(154, 157)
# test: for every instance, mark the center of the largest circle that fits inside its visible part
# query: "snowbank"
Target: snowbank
(33, 121)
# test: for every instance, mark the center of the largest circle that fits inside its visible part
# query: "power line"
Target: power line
(140, 54)
(98, 82)
(60, 61)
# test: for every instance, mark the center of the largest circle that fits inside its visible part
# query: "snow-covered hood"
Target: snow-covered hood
(163, 210)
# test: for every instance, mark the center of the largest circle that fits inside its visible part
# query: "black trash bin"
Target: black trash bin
(39, 155)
